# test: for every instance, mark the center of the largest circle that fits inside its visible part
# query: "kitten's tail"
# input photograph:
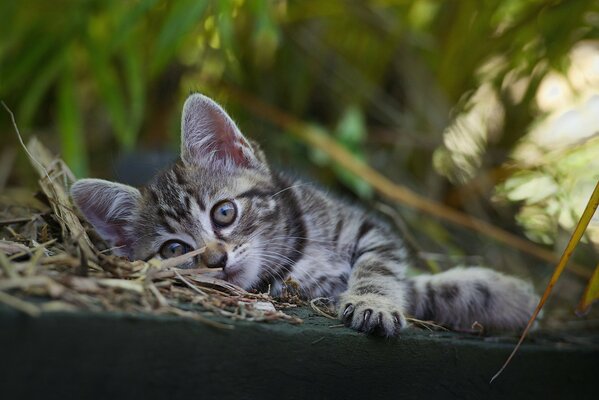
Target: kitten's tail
(461, 297)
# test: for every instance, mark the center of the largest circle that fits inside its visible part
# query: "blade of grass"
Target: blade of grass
(588, 213)
(591, 293)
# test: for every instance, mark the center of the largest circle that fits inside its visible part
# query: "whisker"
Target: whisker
(291, 187)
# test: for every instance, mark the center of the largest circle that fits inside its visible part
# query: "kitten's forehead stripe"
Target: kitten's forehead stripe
(164, 221)
(255, 192)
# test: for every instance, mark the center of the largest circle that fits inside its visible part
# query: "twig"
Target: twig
(176, 261)
(30, 250)
(199, 318)
(15, 221)
(319, 311)
(193, 287)
(12, 248)
(170, 273)
(16, 128)
(162, 301)
(426, 324)
(7, 267)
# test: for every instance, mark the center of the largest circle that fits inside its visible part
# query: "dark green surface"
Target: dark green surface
(105, 356)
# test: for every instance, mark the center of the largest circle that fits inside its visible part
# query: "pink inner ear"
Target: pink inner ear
(227, 138)
(233, 149)
(209, 131)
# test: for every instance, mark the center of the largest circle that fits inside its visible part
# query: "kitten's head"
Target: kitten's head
(219, 195)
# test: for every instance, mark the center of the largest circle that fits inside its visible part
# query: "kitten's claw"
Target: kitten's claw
(347, 314)
(365, 323)
(357, 312)
(399, 321)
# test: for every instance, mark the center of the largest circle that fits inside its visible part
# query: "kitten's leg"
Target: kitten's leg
(375, 301)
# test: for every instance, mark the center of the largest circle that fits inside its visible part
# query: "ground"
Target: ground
(87, 355)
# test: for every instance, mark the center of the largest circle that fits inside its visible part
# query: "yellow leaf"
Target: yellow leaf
(591, 293)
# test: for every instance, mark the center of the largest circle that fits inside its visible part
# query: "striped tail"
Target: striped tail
(462, 297)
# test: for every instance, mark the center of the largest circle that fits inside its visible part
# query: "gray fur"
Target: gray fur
(287, 229)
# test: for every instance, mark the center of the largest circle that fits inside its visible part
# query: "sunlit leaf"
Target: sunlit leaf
(351, 129)
(534, 189)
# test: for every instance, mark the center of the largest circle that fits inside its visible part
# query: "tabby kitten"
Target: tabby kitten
(263, 228)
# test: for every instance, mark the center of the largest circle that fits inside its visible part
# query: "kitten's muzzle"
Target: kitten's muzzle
(215, 255)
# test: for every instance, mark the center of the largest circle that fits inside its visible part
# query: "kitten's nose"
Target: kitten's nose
(215, 255)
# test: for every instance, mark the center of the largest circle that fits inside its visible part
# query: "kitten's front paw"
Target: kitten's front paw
(371, 314)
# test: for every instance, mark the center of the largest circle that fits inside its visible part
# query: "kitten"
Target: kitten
(263, 228)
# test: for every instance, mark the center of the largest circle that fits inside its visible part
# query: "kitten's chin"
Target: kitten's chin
(232, 275)
(241, 273)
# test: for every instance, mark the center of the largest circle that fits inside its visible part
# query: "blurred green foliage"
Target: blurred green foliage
(386, 78)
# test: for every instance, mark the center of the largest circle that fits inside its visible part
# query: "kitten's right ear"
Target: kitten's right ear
(110, 207)
(210, 137)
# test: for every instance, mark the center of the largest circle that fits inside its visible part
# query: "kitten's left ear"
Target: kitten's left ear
(209, 136)
(111, 208)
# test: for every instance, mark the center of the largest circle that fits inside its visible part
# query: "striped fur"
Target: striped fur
(287, 229)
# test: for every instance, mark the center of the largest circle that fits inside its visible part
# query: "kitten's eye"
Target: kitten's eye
(174, 248)
(224, 213)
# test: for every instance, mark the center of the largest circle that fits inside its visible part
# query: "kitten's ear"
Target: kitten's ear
(111, 208)
(210, 137)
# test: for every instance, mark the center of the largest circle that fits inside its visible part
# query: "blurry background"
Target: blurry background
(490, 107)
